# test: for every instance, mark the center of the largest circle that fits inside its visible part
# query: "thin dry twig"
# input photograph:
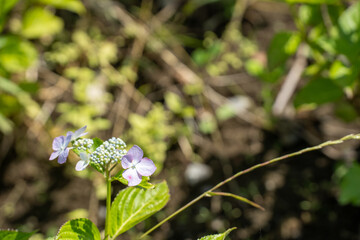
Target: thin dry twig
(290, 82)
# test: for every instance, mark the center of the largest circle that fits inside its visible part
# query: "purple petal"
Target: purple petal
(81, 165)
(146, 167)
(136, 154)
(67, 139)
(126, 161)
(132, 176)
(58, 142)
(63, 156)
(79, 133)
(54, 155)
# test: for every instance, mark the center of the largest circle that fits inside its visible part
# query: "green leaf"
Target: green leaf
(204, 56)
(254, 67)
(6, 126)
(220, 236)
(5, 7)
(71, 5)
(16, 55)
(14, 235)
(282, 46)
(310, 14)
(225, 112)
(97, 143)
(348, 40)
(78, 229)
(39, 22)
(133, 205)
(342, 75)
(207, 123)
(318, 91)
(346, 112)
(32, 108)
(349, 21)
(174, 103)
(349, 186)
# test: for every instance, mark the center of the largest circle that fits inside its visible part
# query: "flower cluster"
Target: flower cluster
(83, 144)
(111, 151)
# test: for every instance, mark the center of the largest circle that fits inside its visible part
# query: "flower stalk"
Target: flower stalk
(108, 205)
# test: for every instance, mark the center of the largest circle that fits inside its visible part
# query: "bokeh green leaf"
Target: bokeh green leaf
(14, 235)
(318, 91)
(282, 46)
(349, 186)
(39, 22)
(71, 5)
(16, 54)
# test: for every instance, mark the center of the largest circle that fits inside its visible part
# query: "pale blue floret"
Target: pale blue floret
(136, 166)
(60, 145)
(83, 163)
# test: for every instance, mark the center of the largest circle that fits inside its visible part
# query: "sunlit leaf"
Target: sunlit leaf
(203, 56)
(341, 74)
(16, 54)
(348, 41)
(39, 22)
(14, 235)
(78, 229)
(133, 205)
(282, 46)
(5, 7)
(71, 5)
(174, 102)
(220, 236)
(310, 14)
(32, 108)
(6, 125)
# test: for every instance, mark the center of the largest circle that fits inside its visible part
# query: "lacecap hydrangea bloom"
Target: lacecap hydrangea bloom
(60, 145)
(109, 152)
(136, 166)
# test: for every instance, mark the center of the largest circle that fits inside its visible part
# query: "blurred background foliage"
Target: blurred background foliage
(205, 87)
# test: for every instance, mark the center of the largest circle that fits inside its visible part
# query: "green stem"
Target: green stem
(108, 205)
(328, 143)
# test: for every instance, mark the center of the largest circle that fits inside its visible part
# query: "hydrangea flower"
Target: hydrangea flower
(78, 133)
(83, 163)
(60, 148)
(136, 166)
(60, 145)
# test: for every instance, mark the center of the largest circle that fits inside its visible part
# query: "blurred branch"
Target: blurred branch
(290, 82)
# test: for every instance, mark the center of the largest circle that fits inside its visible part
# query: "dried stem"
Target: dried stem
(309, 149)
